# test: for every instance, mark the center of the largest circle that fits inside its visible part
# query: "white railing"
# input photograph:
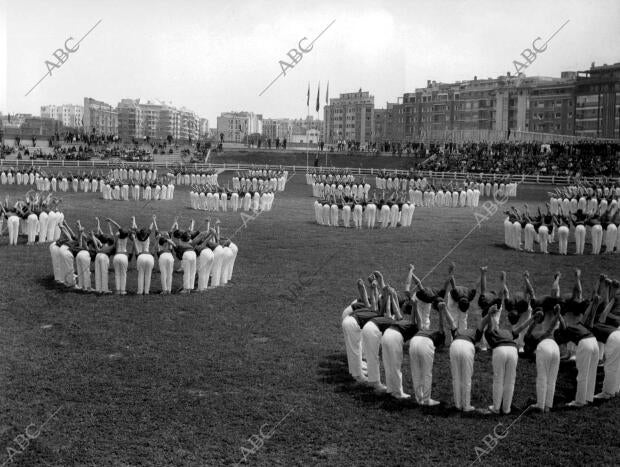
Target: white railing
(447, 176)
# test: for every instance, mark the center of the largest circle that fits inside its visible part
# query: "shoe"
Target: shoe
(402, 396)
(431, 402)
(379, 387)
(493, 410)
(471, 408)
(575, 404)
(361, 379)
(603, 395)
(184, 291)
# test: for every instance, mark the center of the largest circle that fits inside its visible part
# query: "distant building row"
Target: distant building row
(128, 120)
(133, 119)
(239, 127)
(583, 104)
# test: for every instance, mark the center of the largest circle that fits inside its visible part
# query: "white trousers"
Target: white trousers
(504, 374)
(216, 272)
(43, 217)
(392, 352)
(586, 358)
(120, 264)
(462, 354)
(547, 366)
(82, 262)
(611, 383)
(102, 263)
(421, 355)
(205, 264)
(353, 345)
(227, 259)
(188, 263)
(371, 343)
(166, 267)
(144, 264)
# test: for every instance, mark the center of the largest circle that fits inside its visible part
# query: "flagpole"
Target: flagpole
(307, 117)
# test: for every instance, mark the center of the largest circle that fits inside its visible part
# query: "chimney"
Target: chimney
(475, 78)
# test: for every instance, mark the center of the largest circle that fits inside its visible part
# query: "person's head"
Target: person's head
(185, 237)
(463, 304)
(539, 315)
(142, 234)
(122, 233)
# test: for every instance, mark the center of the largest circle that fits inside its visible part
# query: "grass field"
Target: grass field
(189, 379)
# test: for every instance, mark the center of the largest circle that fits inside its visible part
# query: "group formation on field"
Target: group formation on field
(200, 252)
(542, 328)
(589, 210)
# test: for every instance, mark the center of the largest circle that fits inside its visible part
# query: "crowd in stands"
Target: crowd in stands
(584, 158)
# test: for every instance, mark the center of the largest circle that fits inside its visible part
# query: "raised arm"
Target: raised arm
(363, 294)
(529, 289)
(114, 223)
(493, 323)
(589, 317)
(555, 287)
(577, 289)
(483, 280)
(395, 305)
(409, 278)
(526, 324)
(415, 279)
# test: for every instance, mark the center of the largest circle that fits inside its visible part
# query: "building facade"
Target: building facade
(597, 102)
(70, 115)
(155, 121)
(99, 118)
(350, 117)
(237, 126)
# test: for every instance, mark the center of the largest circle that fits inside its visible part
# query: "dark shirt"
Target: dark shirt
(469, 335)
(438, 337)
(363, 316)
(500, 337)
(603, 331)
(406, 328)
(382, 323)
(573, 333)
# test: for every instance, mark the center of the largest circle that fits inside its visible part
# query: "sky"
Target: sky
(213, 57)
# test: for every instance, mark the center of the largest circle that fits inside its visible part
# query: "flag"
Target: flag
(308, 97)
(327, 95)
(318, 93)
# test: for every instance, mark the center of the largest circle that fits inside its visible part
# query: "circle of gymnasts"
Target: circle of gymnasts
(541, 327)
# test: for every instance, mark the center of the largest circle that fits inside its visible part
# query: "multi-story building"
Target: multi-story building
(597, 102)
(40, 127)
(14, 120)
(99, 118)
(155, 121)
(130, 120)
(203, 129)
(277, 128)
(551, 106)
(350, 117)
(70, 115)
(237, 126)
(189, 125)
(389, 123)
